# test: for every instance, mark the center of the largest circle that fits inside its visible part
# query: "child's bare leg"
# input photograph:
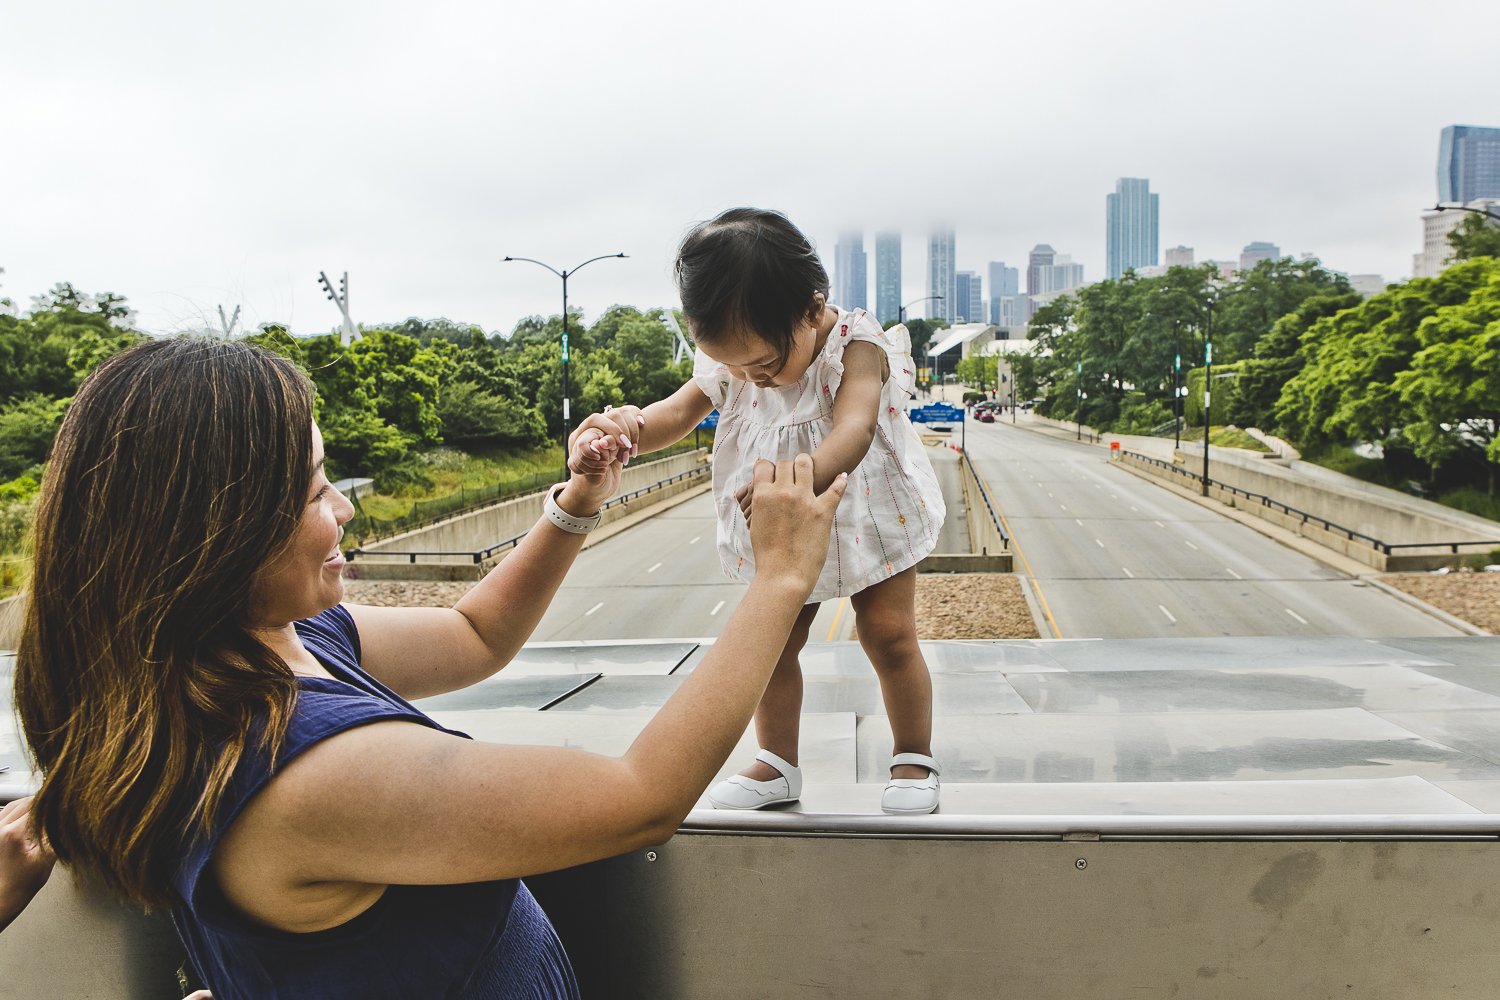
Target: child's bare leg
(778, 717)
(886, 620)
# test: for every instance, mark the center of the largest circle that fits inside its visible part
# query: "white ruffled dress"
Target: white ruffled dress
(893, 507)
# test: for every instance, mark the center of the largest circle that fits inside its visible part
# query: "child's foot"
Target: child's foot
(747, 790)
(908, 794)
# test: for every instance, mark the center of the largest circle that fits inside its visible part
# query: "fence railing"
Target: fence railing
(984, 495)
(478, 556)
(1379, 545)
(365, 527)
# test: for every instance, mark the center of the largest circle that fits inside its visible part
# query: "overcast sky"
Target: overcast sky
(188, 154)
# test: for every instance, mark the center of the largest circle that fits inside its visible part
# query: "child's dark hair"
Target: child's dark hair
(748, 269)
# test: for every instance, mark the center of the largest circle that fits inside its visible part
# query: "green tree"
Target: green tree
(1476, 236)
(27, 427)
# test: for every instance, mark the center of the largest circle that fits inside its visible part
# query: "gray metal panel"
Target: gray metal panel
(1226, 652)
(952, 694)
(1180, 746)
(723, 917)
(621, 694)
(649, 658)
(1473, 732)
(508, 692)
(1242, 690)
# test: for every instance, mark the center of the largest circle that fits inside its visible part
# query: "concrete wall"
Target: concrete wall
(10, 621)
(1389, 519)
(467, 533)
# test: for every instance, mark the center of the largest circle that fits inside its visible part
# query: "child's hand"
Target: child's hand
(743, 496)
(24, 864)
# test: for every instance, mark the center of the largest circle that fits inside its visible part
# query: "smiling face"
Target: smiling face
(305, 578)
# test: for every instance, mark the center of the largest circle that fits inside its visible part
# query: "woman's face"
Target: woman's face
(306, 578)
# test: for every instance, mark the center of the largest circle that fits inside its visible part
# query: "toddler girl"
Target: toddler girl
(790, 373)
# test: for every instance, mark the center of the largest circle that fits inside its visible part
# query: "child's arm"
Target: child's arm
(663, 423)
(856, 411)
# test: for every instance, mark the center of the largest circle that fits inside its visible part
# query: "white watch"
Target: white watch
(564, 520)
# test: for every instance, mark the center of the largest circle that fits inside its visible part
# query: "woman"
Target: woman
(218, 735)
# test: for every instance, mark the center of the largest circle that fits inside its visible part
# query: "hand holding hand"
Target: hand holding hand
(790, 534)
(598, 450)
(743, 496)
(25, 864)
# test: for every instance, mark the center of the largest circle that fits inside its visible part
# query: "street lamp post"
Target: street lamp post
(564, 275)
(1176, 387)
(1477, 210)
(1208, 377)
(926, 355)
(1078, 404)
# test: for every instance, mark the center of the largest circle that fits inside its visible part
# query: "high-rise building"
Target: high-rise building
(1437, 252)
(851, 290)
(976, 299)
(1131, 217)
(1041, 256)
(887, 276)
(964, 285)
(1468, 164)
(1179, 256)
(942, 275)
(1004, 282)
(1062, 275)
(1256, 252)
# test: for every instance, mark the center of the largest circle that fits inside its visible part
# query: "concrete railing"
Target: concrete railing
(1415, 540)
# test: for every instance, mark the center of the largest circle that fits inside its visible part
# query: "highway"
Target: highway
(1115, 556)
(1110, 555)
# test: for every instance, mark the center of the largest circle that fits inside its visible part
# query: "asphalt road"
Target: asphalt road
(1115, 556)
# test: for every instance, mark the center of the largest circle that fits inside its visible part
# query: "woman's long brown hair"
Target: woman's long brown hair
(181, 469)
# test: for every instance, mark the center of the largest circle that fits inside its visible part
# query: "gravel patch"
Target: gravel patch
(949, 605)
(972, 606)
(1474, 597)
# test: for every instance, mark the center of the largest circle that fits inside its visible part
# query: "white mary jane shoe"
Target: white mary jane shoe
(740, 792)
(911, 796)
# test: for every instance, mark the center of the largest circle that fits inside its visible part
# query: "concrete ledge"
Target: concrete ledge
(965, 562)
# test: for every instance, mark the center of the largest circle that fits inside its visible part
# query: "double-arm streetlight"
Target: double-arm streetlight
(1477, 210)
(1208, 377)
(926, 348)
(564, 275)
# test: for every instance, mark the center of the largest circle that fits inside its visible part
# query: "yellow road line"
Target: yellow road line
(838, 613)
(1030, 576)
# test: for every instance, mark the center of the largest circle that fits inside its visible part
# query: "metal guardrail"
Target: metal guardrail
(480, 555)
(1384, 547)
(984, 495)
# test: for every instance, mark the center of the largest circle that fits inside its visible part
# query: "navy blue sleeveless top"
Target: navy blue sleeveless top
(477, 941)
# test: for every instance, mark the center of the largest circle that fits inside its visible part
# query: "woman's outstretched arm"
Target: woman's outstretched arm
(397, 803)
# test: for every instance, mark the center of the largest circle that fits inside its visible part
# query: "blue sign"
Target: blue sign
(709, 422)
(936, 413)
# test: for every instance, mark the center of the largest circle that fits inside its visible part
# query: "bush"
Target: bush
(471, 415)
(974, 397)
(1141, 416)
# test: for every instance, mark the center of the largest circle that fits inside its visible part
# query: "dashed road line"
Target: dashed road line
(1170, 617)
(716, 609)
(593, 609)
(1295, 615)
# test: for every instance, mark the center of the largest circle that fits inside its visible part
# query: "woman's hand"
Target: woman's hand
(790, 533)
(25, 864)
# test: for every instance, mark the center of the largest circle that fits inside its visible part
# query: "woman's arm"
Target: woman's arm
(636, 431)
(24, 864)
(397, 803)
(419, 652)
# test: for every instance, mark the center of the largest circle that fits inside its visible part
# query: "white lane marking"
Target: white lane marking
(1136, 509)
(1158, 524)
(653, 569)
(1295, 615)
(1170, 618)
(1113, 497)
(1233, 573)
(1190, 545)
(1127, 572)
(694, 539)
(1063, 506)
(1049, 493)
(593, 609)
(1099, 543)
(716, 609)
(1077, 522)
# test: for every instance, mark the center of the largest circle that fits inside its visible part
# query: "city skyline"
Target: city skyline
(192, 157)
(1132, 227)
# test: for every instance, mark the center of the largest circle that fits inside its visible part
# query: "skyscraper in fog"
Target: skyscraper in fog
(1131, 217)
(1179, 256)
(1004, 283)
(968, 290)
(1468, 163)
(1041, 256)
(942, 277)
(851, 290)
(1256, 252)
(887, 276)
